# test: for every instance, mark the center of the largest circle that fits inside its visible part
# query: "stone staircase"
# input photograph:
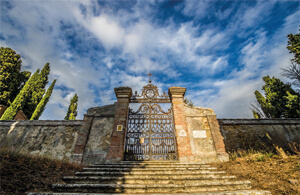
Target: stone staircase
(152, 178)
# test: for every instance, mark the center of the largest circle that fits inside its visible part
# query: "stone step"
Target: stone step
(149, 169)
(141, 163)
(236, 192)
(151, 188)
(152, 162)
(158, 173)
(148, 165)
(147, 180)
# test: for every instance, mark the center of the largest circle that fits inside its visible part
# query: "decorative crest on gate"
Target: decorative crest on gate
(150, 133)
(150, 94)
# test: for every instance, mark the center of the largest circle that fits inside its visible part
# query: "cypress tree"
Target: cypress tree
(20, 100)
(38, 90)
(12, 79)
(72, 110)
(41, 106)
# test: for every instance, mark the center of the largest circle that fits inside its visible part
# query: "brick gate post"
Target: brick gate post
(116, 149)
(182, 135)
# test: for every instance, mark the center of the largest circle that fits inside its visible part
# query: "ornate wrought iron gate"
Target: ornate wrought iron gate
(150, 130)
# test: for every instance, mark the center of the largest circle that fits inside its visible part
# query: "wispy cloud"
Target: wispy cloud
(218, 50)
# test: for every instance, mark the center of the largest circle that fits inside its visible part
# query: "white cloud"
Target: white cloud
(255, 14)
(196, 8)
(107, 30)
(261, 56)
(136, 42)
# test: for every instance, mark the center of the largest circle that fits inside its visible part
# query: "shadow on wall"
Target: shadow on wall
(261, 134)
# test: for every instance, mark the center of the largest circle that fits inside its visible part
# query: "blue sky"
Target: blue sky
(218, 50)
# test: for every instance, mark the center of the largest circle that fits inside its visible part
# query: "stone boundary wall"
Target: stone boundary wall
(51, 138)
(58, 138)
(41, 123)
(259, 134)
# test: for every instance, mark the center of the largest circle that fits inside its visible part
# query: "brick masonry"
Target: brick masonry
(116, 149)
(183, 143)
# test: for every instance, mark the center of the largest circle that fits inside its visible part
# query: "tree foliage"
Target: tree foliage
(279, 100)
(188, 102)
(72, 110)
(11, 77)
(13, 92)
(20, 100)
(293, 71)
(38, 90)
(294, 46)
(42, 104)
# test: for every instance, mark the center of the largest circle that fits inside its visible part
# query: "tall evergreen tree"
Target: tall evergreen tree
(38, 90)
(72, 110)
(293, 71)
(41, 106)
(20, 100)
(280, 100)
(294, 46)
(12, 79)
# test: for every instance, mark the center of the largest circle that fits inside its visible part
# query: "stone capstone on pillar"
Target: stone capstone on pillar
(123, 92)
(177, 94)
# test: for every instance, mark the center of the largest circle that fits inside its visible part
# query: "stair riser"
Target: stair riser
(149, 169)
(153, 177)
(144, 181)
(152, 190)
(150, 166)
(148, 172)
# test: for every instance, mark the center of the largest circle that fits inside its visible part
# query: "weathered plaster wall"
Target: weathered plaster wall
(54, 139)
(252, 133)
(203, 135)
(99, 136)
(198, 135)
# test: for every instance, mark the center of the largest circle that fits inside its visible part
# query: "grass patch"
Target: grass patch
(276, 172)
(23, 173)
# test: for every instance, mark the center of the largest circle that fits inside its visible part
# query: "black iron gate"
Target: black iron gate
(150, 130)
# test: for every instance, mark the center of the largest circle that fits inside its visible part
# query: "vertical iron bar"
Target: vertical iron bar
(150, 129)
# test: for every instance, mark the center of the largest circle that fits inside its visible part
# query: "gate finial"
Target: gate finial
(149, 74)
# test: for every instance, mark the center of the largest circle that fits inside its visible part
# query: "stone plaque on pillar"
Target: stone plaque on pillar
(199, 134)
(119, 127)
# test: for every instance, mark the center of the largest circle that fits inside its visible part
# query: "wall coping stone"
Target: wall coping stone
(42, 122)
(101, 109)
(100, 115)
(294, 121)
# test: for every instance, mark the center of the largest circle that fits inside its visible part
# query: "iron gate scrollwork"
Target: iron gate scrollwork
(150, 130)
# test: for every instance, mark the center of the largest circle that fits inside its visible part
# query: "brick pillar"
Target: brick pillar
(83, 134)
(116, 149)
(217, 138)
(182, 135)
